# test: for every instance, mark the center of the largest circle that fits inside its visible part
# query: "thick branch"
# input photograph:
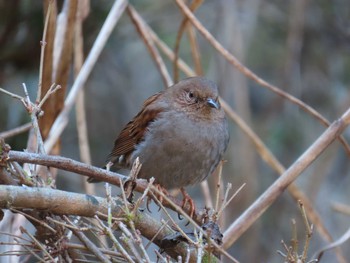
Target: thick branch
(67, 203)
(88, 170)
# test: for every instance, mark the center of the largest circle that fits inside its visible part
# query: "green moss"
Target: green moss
(209, 257)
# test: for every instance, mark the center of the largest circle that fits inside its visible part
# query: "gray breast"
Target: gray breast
(178, 152)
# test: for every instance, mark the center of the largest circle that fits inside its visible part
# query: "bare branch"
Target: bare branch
(91, 171)
(18, 130)
(91, 246)
(144, 33)
(194, 5)
(345, 237)
(60, 203)
(269, 196)
(43, 45)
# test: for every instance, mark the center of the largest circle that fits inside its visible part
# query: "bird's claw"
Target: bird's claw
(187, 200)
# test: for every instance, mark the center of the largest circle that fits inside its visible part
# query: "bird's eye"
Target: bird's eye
(191, 97)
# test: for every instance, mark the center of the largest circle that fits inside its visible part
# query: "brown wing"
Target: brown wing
(133, 132)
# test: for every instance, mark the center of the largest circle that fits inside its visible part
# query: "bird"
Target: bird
(179, 135)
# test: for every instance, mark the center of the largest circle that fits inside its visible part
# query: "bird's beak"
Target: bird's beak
(212, 103)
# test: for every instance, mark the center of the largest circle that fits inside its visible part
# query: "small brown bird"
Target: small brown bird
(180, 135)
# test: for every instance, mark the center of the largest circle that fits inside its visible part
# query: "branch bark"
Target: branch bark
(91, 171)
(67, 203)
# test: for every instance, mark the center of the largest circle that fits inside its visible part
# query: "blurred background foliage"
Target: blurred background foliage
(300, 46)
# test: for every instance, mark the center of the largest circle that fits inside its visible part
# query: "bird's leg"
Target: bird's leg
(158, 196)
(129, 187)
(187, 199)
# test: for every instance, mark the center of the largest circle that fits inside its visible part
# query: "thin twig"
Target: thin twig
(138, 241)
(194, 5)
(15, 131)
(43, 45)
(69, 226)
(15, 96)
(228, 188)
(225, 204)
(308, 231)
(105, 251)
(218, 187)
(169, 217)
(345, 237)
(31, 251)
(200, 247)
(129, 241)
(145, 35)
(26, 94)
(196, 55)
(294, 241)
(108, 189)
(160, 256)
(91, 246)
(39, 222)
(169, 53)
(126, 203)
(51, 90)
(13, 235)
(24, 178)
(34, 111)
(341, 208)
(115, 241)
(40, 246)
(180, 210)
(164, 224)
(66, 164)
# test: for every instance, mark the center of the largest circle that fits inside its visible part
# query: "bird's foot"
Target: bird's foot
(187, 199)
(129, 187)
(157, 196)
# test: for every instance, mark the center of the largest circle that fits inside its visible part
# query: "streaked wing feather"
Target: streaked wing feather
(134, 131)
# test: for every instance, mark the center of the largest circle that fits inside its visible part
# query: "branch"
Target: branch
(147, 39)
(91, 171)
(291, 174)
(67, 203)
(18, 130)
